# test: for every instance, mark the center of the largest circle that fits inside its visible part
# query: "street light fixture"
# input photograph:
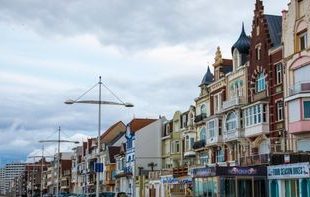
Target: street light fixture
(58, 157)
(99, 102)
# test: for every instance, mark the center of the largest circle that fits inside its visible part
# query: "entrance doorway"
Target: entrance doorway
(244, 187)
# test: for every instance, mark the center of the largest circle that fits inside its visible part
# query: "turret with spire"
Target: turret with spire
(240, 50)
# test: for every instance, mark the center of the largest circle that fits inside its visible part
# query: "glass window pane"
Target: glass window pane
(306, 109)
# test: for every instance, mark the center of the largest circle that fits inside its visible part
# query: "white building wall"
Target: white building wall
(148, 145)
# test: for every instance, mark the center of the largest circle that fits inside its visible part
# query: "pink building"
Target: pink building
(296, 28)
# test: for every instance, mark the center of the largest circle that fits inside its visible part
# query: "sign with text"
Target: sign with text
(288, 171)
(175, 180)
(229, 171)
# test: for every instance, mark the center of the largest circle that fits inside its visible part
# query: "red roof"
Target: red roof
(138, 123)
(104, 135)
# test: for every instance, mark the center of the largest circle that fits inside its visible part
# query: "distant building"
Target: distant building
(11, 171)
(2, 176)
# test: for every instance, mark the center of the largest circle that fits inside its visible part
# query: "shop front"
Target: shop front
(289, 180)
(176, 186)
(230, 181)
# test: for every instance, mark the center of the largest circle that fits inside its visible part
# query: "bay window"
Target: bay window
(255, 114)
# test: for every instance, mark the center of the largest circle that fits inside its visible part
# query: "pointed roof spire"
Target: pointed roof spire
(243, 43)
(208, 78)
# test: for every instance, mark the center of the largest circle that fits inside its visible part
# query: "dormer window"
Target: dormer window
(236, 59)
(260, 83)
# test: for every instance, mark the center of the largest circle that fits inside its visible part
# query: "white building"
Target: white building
(2, 175)
(11, 171)
(143, 146)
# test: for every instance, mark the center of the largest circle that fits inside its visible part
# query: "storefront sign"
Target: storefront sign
(298, 170)
(241, 171)
(203, 172)
(229, 171)
(174, 180)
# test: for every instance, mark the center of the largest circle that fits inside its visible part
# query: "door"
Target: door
(244, 187)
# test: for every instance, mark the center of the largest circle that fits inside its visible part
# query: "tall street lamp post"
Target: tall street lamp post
(99, 102)
(58, 156)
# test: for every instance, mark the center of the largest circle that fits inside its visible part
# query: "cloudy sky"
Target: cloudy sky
(151, 53)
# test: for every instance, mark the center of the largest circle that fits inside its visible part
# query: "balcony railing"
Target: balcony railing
(199, 144)
(200, 117)
(236, 134)
(301, 87)
(232, 102)
(255, 160)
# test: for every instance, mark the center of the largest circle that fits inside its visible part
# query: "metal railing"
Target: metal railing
(232, 102)
(255, 159)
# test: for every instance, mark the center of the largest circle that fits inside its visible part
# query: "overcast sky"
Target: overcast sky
(151, 53)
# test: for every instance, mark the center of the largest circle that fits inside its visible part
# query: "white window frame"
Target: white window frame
(231, 121)
(187, 142)
(255, 115)
(280, 110)
(279, 75)
(211, 130)
(177, 146)
(205, 133)
(260, 82)
(305, 40)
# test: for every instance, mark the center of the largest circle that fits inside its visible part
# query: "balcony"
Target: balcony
(199, 144)
(189, 153)
(233, 102)
(234, 135)
(255, 130)
(260, 96)
(301, 87)
(180, 172)
(255, 160)
(214, 140)
(200, 117)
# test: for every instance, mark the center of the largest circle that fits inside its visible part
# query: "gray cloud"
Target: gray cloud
(32, 108)
(135, 24)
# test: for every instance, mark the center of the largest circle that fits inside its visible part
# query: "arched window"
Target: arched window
(260, 82)
(203, 134)
(203, 109)
(231, 122)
